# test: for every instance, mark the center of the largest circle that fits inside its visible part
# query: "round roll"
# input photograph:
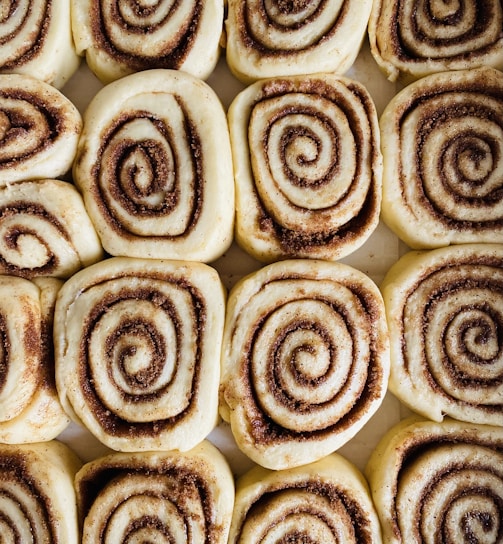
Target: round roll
(327, 502)
(439, 482)
(305, 360)
(36, 40)
(30, 410)
(308, 167)
(39, 130)
(442, 144)
(45, 230)
(137, 351)
(120, 38)
(410, 40)
(277, 38)
(37, 497)
(445, 316)
(163, 497)
(155, 168)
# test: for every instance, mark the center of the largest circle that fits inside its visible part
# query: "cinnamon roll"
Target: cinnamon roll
(410, 40)
(45, 230)
(37, 497)
(119, 38)
(39, 130)
(442, 144)
(137, 352)
(30, 410)
(36, 40)
(155, 168)
(278, 38)
(308, 167)
(439, 482)
(445, 316)
(305, 360)
(325, 501)
(156, 497)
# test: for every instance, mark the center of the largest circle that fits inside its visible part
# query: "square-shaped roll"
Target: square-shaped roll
(308, 167)
(155, 168)
(305, 360)
(137, 345)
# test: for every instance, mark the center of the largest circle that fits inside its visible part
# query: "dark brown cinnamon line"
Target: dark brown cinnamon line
(172, 199)
(175, 51)
(109, 422)
(265, 431)
(253, 41)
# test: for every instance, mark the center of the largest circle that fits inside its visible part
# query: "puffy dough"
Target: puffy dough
(156, 497)
(445, 308)
(305, 360)
(442, 145)
(120, 38)
(30, 410)
(36, 40)
(436, 482)
(155, 168)
(308, 167)
(325, 501)
(137, 345)
(38, 498)
(45, 230)
(39, 130)
(269, 39)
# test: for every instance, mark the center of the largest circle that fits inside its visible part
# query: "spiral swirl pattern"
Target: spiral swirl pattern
(305, 360)
(137, 350)
(412, 40)
(324, 502)
(37, 499)
(119, 38)
(45, 230)
(39, 130)
(156, 497)
(36, 40)
(439, 482)
(154, 165)
(314, 176)
(443, 159)
(30, 410)
(445, 314)
(277, 38)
